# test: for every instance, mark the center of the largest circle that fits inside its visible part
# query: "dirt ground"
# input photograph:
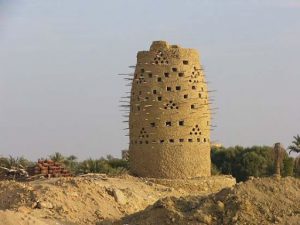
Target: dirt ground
(97, 199)
(258, 201)
(82, 200)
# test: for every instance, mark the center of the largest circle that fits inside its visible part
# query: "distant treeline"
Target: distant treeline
(240, 162)
(108, 165)
(257, 161)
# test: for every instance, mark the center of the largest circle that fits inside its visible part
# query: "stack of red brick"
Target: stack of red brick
(48, 168)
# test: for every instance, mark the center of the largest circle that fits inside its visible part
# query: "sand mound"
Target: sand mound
(22, 218)
(81, 200)
(90, 199)
(97, 199)
(259, 201)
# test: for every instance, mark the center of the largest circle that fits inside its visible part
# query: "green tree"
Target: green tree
(57, 157)
(225, 158)
(295, 147)
(243, 162)
(214, 170)
(4, 162)
(288, 166)
(297, 167)
(11, 162)
(109, 165)
(71, 163)
(255, 161)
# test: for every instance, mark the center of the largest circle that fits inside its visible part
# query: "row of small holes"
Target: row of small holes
(170, 141)
(159, 79)
(180, 123)
(177, 88)
(159, 98)
(192, 107)
(169, 123)
(158, 57)
(165, 74)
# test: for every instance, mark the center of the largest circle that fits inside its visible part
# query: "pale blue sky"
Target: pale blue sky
(59, 58)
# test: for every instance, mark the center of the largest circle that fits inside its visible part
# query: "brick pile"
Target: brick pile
(49, 168)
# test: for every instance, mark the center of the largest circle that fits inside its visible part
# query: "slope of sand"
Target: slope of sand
(83, 200)
(8, 217)
(259, 201)
(97, 199)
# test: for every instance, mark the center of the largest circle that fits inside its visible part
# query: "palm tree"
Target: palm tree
(72, 158)
(17, 162)
(71, 163)
(57, 157)
(4, 162)
(295, 147)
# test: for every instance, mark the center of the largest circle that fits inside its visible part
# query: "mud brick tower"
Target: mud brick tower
(169, 120)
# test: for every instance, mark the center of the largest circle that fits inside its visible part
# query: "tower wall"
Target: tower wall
(169, 118)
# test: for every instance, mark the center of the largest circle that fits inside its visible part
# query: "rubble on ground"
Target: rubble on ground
(98, 199)
(257, 201)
